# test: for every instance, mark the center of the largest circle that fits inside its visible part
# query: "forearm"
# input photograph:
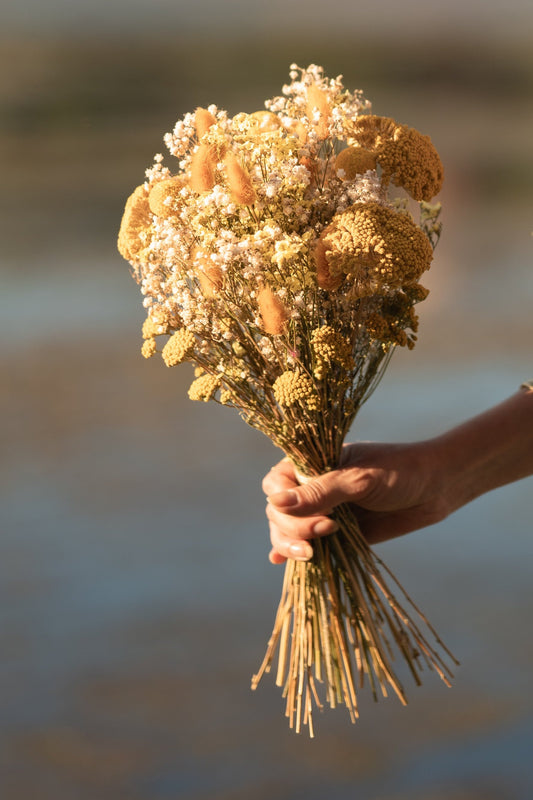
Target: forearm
(488, 451)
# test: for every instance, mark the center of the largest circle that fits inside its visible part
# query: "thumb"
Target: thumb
(318, 495)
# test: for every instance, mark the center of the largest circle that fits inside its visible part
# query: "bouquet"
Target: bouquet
(281, 253)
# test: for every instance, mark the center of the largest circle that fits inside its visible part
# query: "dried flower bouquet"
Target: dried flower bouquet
(281, 254)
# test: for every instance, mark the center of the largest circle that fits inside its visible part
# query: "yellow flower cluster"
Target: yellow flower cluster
(132, 237)
(396, 323)
(148, 348)
(295, 388)
(380, 249)
(179, 348)
(276, 224)
(407, 157)
(165, 197)
(204, 388)
(330, 347)
(152, 328)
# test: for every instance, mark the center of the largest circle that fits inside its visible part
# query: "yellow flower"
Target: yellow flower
(354, 161)
(329, 346)
(376, 247)
(293, 388)
(179, 347)
(152, 328)
(136, 221)
(407, 157)
(204, 388)
(165, 196)
(263, 122)
(149, 348)
(411, 161)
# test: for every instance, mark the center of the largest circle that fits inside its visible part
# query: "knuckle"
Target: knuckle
(312, 494)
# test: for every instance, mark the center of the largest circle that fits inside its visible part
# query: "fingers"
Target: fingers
(318, 496)
(283, 547)
(289, 534)
(280, 478)
(300, 527)
(296, 512)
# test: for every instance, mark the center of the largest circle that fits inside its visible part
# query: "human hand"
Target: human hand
(393, 488)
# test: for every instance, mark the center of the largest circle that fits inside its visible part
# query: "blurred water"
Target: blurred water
(135, 594)
(136, 597)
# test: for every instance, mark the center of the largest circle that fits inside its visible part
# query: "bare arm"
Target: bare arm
(403, 487)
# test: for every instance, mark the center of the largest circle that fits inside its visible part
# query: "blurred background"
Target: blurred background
(136, 598)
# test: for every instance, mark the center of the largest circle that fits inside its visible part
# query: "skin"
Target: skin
(399, 488)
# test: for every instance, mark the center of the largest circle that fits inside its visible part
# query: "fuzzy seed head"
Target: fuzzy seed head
(324, 276)
(203, 119)
(317, 100)
(274, 315)
(239, 181)
(203, 165)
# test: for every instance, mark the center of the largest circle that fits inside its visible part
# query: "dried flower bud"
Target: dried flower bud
(324, 276)
(407, 157)
(273, 313)
(239, 181)
(210, 275)
(410, 160)
(317, 100)
(203, 119)
(203, 165)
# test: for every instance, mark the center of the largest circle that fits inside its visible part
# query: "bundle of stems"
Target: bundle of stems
(336, 621)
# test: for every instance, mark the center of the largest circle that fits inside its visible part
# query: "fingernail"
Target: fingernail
(301, 551)
(283, 499)
(324, 527)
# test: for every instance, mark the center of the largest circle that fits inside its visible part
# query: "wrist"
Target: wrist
(487, 451)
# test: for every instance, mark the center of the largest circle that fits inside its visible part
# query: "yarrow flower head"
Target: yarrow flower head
(294, 388)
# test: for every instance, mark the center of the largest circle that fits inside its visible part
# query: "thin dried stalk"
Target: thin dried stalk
(344, 621)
